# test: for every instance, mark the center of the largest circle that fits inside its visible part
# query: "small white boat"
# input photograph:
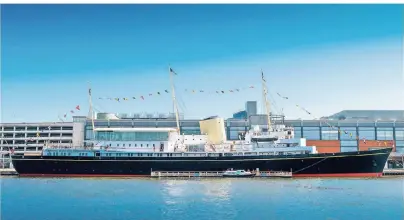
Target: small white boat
(238, 173)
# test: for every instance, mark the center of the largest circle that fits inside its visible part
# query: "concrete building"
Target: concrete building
(30, 137)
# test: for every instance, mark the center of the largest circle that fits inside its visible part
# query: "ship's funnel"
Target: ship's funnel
(213, 127)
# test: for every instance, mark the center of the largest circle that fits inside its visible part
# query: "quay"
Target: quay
(191, 174)
(8, 172)
(393, 172)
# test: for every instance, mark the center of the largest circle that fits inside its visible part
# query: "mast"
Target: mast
(171, 72)
(91, 109)
(264, 97)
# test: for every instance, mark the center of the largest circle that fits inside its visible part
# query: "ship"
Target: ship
(137, 152)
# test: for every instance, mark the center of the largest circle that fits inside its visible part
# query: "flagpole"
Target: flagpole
(91, 109)
(174, 99)
(264, 96)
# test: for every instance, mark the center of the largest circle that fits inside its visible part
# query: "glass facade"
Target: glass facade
(311, 133)
(400, 134)
(367, 132)
(384, 133)
(328, 133)
(298, 132)
(347, 133)
(190, 130)
(349, 143)
(235, 131)
(131, 136)
(348, 149)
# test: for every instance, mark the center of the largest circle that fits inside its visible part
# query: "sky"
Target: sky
(325, 58)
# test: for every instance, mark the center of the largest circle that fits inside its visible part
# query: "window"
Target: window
(89, 134)
(347, 133)
(348, 143)
(298, 132)
(384, 133)
(348, 149)
(400, 143)
(235, 131)
(311, 133)
(367, 132)
(400, 134)
(191, 130)
(129, 145)
(328, 133)
(132, 136)
(400, 149)
(235, 135)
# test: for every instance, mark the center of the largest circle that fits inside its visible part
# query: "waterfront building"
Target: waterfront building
(31, 137)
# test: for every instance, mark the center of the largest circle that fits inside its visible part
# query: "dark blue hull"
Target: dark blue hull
(361, 164)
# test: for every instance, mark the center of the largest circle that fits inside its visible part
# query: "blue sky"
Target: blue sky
(326, 58)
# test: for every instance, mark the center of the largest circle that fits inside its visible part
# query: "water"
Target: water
(326, 199)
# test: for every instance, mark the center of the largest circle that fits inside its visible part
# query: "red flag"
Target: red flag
(78, 107)
(72, 111)
(142, 97)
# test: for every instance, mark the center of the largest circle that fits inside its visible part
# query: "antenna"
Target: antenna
(264, 97)
(171, 72)
(91, 109)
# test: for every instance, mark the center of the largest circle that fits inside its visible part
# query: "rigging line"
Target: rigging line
(307, 112)
(274, 104)
(181, 102)
(304, 168)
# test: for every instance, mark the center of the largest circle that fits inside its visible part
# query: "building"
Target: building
(31, 137)
(251, 108)
(240, 115)
(368, 115)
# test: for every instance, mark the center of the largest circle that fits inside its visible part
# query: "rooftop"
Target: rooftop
(368, 115)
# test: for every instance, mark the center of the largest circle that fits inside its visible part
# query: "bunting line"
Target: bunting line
(187, 91)
(71, 113)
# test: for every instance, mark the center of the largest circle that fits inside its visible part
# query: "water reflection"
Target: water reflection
(205, 195)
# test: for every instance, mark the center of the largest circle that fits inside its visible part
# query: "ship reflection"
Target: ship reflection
(207, 190)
